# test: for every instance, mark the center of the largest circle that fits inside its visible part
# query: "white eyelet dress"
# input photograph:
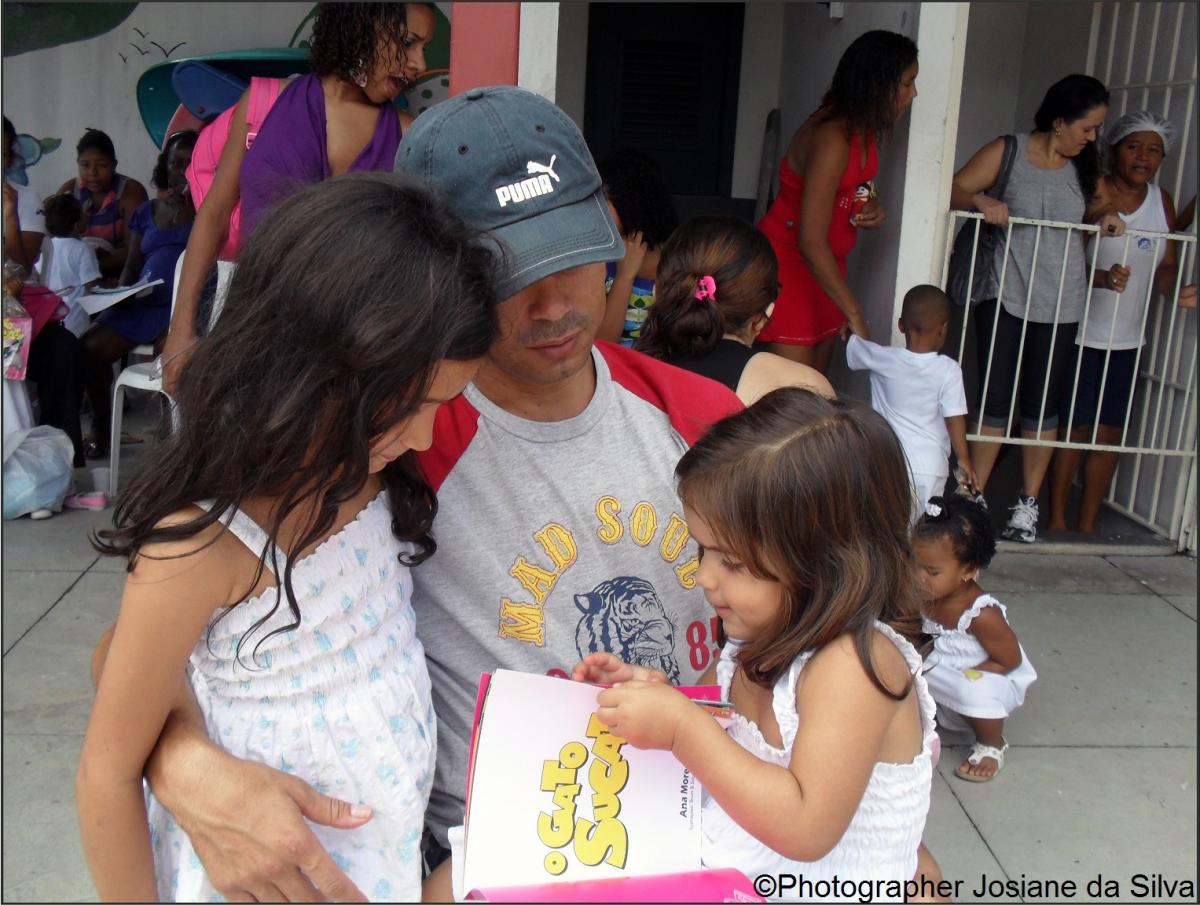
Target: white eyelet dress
(883, 837)
(343, 702)
(989, 696)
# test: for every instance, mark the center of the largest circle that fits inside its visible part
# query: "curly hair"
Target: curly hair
(741, 262)
(863, 91)
(965, 524)
(635, 186)
(1070, 99)
(185, 140)
(347, 37)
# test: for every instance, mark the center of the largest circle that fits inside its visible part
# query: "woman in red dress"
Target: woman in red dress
(826, 194)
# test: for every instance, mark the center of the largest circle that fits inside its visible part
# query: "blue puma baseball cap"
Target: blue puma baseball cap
(512, 163)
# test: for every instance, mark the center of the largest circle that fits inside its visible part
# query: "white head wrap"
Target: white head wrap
(1143, 121)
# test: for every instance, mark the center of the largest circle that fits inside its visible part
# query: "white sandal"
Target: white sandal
(978, 752)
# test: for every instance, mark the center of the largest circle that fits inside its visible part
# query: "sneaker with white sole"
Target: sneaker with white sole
(1022, 521)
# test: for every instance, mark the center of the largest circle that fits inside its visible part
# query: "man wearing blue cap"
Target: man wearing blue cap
(559, 532)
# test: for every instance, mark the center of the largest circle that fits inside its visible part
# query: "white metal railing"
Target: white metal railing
(1158, 435)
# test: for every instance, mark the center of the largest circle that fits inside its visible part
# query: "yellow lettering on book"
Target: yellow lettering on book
(610, 530)
(606, 840)
(675, 537)
(642, 523)
(555, 829)
(536, 580)
(558, 544)
(522, 622)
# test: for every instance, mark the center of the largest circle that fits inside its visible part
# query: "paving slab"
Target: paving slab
(1112, 670)
(43, 855)
(1166, 575)
(1075, 813)
(26, 598)
(1062, 574)
(47, 679)
(960, 851)
(57, 544)
(1186, 604)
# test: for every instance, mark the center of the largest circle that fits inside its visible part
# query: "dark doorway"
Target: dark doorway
(663, 78)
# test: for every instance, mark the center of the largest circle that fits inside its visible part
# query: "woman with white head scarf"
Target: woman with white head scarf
(1129, 271)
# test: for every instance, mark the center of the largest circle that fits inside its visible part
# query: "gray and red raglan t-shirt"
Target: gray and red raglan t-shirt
(556, 539)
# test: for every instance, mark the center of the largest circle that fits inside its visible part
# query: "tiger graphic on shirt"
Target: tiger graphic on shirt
(624, 616)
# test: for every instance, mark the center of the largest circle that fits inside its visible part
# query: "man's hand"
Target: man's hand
(609, 669)
(1187, 296)
(645, 714)
(247, 826)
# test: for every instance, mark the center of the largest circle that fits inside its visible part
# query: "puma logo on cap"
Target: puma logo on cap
(537, 184)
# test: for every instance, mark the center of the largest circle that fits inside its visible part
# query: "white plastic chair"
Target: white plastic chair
(148, 375)
(142, 376)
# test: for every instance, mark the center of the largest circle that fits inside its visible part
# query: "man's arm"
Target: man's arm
(245, 820)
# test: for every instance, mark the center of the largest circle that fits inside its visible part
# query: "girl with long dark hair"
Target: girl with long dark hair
(270, 539)
(826, 194)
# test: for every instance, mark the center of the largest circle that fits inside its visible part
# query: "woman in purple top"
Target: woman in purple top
(339, 118)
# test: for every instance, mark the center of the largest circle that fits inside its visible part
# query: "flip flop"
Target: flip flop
(128, 439)
(92, 500)
(979, 752)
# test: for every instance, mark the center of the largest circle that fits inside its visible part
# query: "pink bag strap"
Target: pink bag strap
(263, 93)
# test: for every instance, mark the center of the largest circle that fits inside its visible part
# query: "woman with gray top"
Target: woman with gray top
(1041, 185)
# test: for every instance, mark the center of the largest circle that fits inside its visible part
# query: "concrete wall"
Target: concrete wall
(59, 91)
(758, 90)
(991, 75)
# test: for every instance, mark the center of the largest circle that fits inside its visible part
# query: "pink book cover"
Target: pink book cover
(715, 885)
(554, 799)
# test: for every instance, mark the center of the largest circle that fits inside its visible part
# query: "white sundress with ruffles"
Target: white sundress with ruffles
(342, 701)
(987, 695)
(884, 834)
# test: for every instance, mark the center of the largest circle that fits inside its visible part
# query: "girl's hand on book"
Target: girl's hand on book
(609, 669)
(645, 714)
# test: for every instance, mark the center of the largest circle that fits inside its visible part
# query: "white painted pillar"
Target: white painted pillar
(537, 59)
(932, 134)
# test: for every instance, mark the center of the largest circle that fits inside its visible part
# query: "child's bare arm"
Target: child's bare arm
(998, 639)
(956, 427)
(843, 725)
(164, 608)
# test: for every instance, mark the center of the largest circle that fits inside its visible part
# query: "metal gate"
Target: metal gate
(1145, 53)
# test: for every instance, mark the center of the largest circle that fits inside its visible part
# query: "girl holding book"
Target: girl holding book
(800, 507)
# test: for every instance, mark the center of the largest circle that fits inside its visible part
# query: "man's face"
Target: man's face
(547, 329)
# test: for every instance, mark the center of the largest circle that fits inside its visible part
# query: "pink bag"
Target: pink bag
(207, 154)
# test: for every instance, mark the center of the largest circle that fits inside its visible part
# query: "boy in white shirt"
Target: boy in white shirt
(920, 392)
(69, 266)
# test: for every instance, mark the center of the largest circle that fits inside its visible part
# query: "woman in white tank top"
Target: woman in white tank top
(1130, 270)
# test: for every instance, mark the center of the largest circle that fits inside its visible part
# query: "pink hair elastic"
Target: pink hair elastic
(706, 288)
